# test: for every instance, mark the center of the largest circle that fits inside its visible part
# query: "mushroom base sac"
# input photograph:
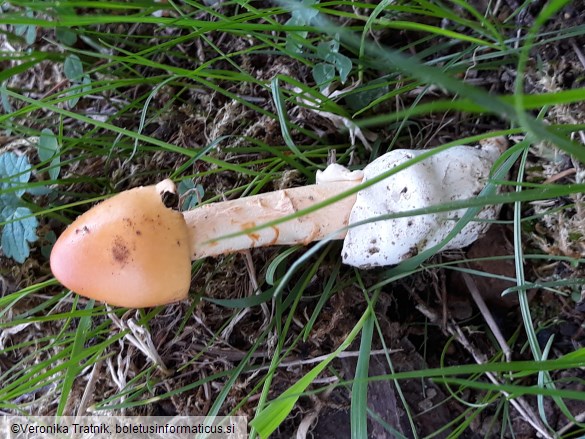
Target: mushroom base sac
(129, 251)
(455, 174)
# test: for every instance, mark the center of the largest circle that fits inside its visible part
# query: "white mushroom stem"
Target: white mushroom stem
(209, 223)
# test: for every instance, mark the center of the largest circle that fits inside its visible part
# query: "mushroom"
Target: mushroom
(132, 250)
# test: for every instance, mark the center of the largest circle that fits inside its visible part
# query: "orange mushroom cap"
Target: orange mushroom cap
(130, 250)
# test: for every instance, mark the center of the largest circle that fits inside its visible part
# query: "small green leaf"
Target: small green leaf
(328, 51)
(48, 145)
(327, 48)
(305, 11)
(364, 96)
(15, 172)
(302, 15)
(31, 35)
(73, 101)
(55, 168)
(8, 204)
(192, 194)
(77, 92)
(296, 45)
(73, 68)
(18, 233)
(5, 105)
(39, 191)
(20, 29)
(29, 32)
(323, 74)
(86, 81)
(66, 36)
(48, 149)
(4, 99)
(343, 65)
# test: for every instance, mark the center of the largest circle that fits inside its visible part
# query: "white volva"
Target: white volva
(455, 174)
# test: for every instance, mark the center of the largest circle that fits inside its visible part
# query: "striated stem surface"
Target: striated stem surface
(208, 223)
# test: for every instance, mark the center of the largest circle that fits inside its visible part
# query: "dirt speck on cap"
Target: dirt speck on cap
(120, 251)
(84, 230)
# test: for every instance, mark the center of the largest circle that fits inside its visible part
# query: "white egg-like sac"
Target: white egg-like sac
(458, 173)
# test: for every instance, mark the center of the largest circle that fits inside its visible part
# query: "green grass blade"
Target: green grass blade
(73, 370)
(272, 416)
(359, 390)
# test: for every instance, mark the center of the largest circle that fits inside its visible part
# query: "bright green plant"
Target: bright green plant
(26, 31)
(331, 62)
(324, 72)
(190, 193)
(80, 81)
(301, 16)
(19, 223)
